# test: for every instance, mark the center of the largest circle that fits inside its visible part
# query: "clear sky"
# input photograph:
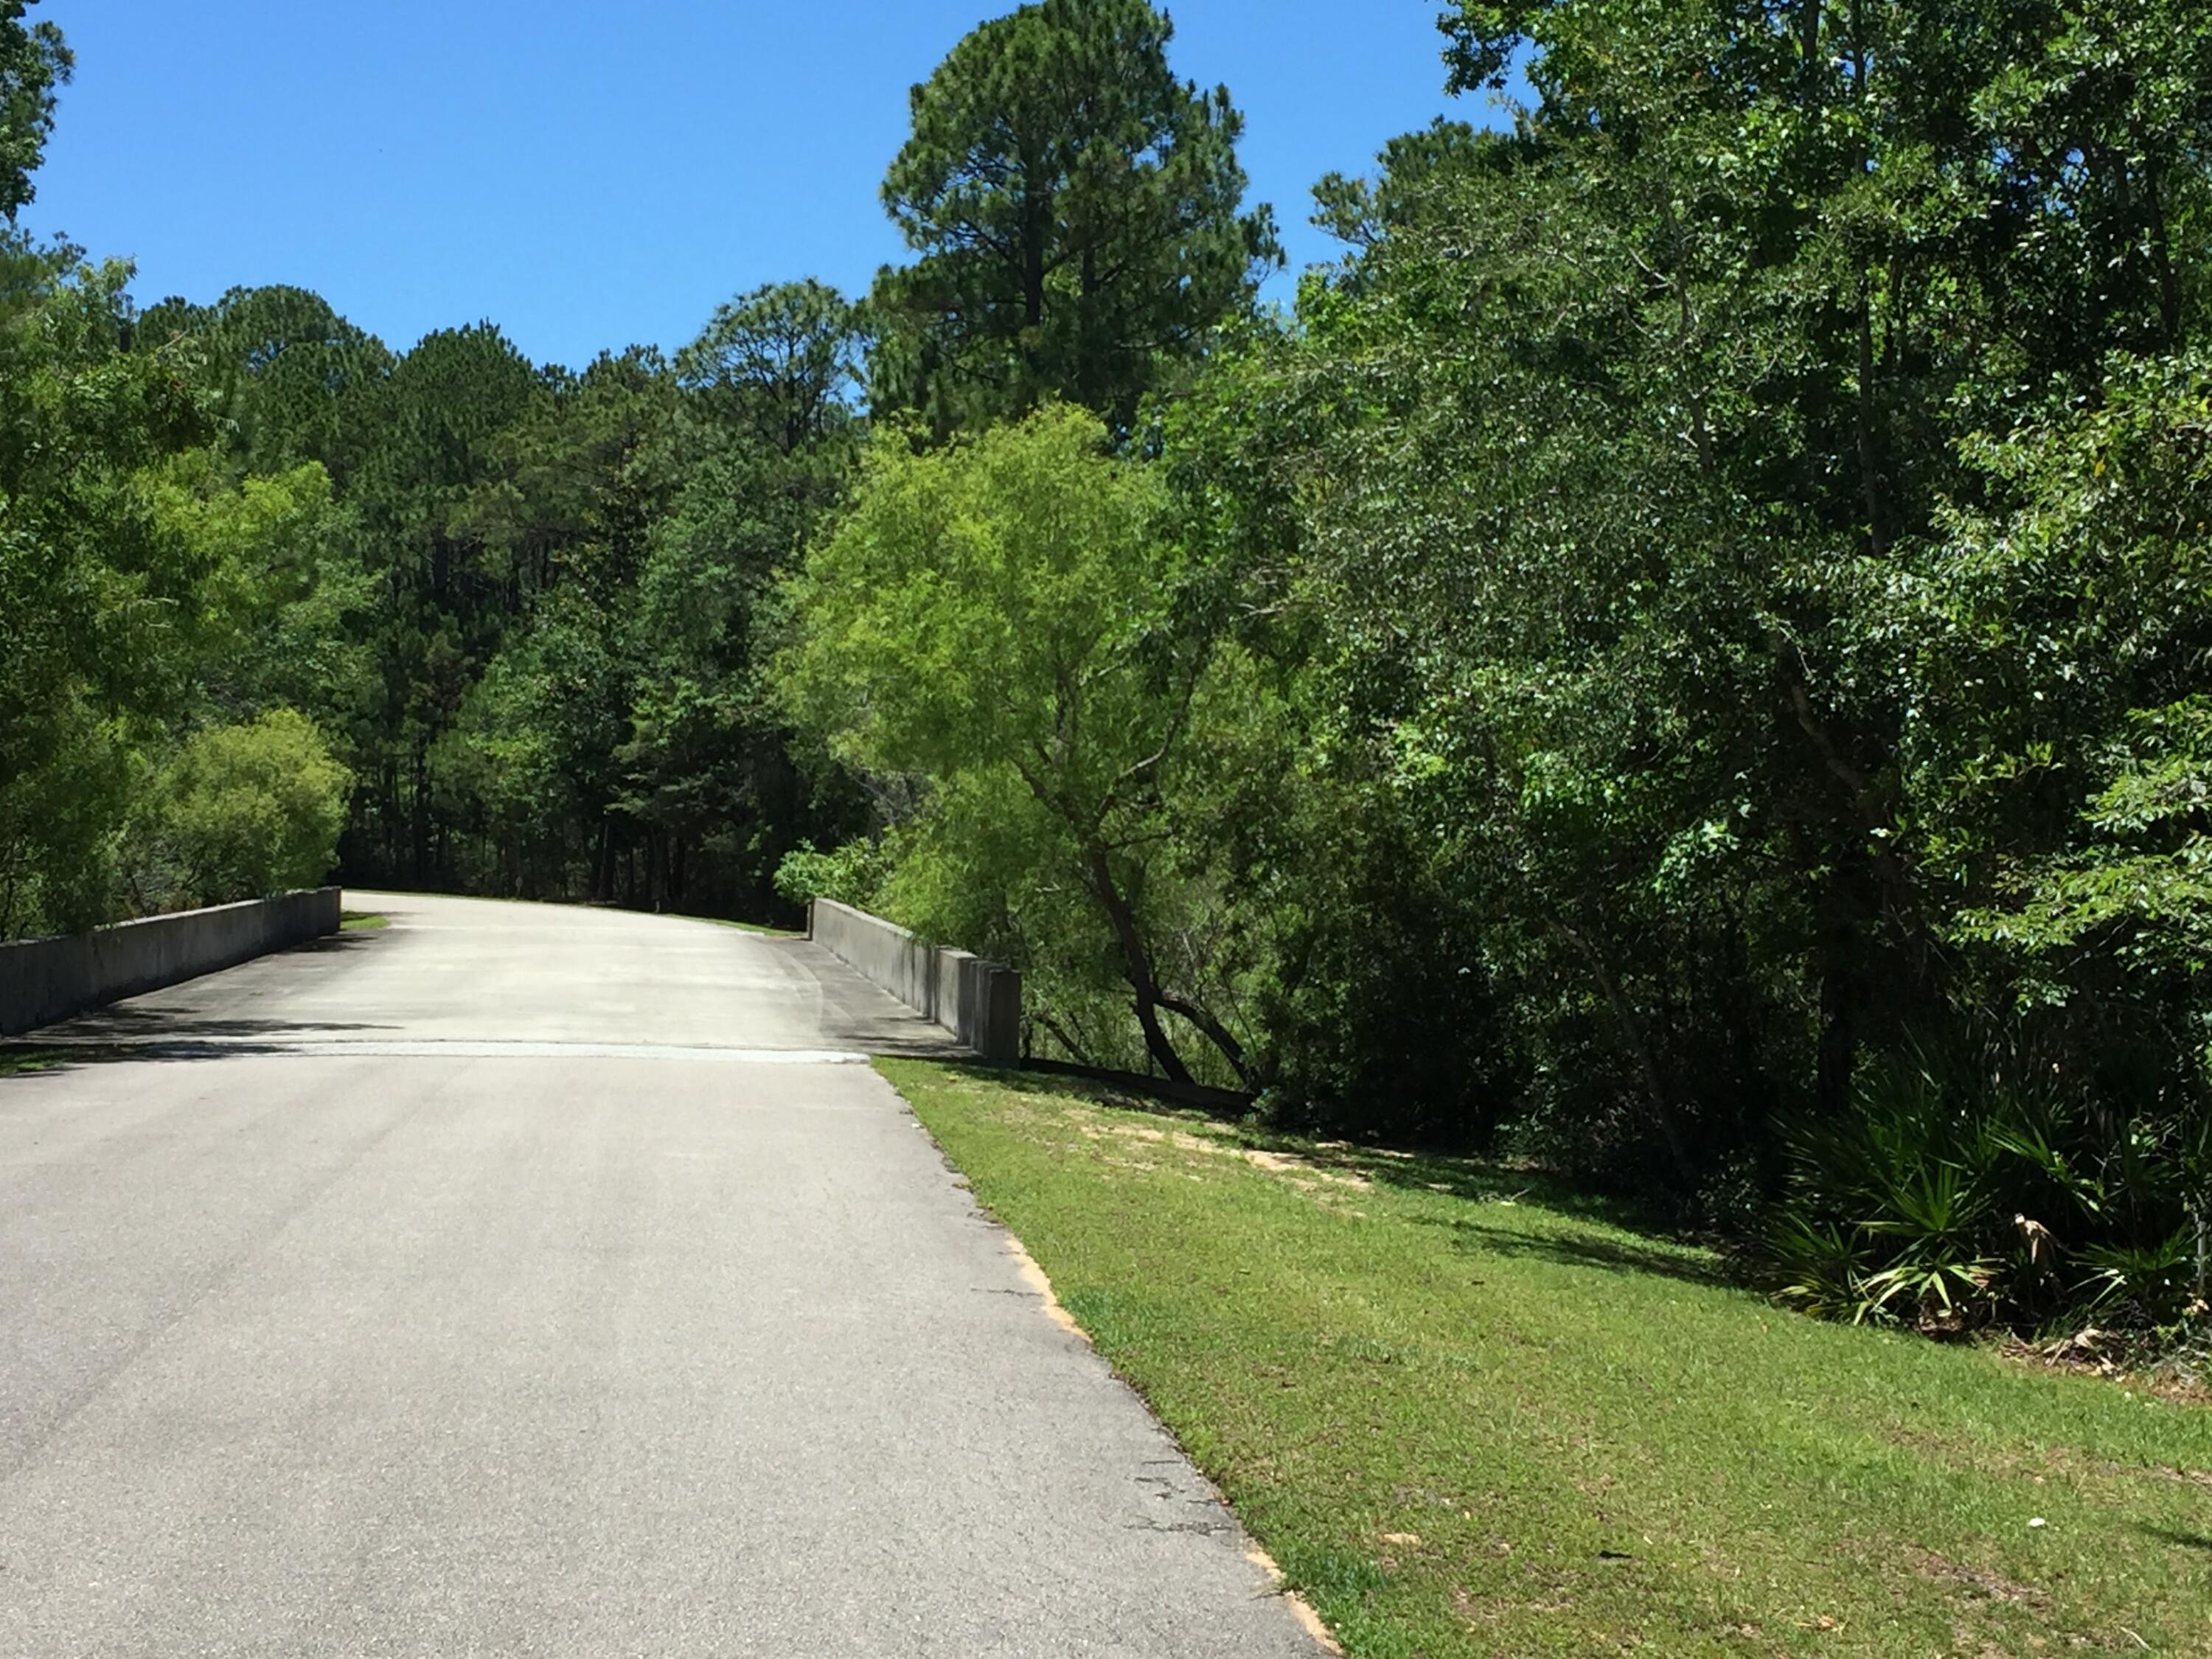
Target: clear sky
(592, 175)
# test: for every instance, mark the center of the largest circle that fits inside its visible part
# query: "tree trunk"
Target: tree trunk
(1870, 484)
(603, 865)
(1136, 964)
(1631, 1037)
(1838, 1054)
(2161, 253)
(1220, 1036)
(418, 826)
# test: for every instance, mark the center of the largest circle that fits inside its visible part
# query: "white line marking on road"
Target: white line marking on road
(385, 1048)
(433, 1049)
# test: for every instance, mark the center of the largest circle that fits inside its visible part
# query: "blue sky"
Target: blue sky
(593, 176)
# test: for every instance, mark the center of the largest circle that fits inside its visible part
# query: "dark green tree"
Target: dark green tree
(1417, 175)
(444, 597)
(292, 381)
(1078, 210)
(34, 63)
(782, 363)
(771, 438)
(566, 520)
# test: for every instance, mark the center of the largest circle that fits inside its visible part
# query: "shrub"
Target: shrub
(852, 874)
(1985, 1187)
(243, 811)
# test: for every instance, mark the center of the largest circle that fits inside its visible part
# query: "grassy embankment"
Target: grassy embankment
(750, 927)
(1468, 1417)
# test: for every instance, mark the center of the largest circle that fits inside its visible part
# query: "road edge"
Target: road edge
(1039, 1283)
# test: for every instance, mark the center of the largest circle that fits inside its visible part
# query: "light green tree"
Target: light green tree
(282, 605)
(1007, 618)
(98, 599)
(245, 812)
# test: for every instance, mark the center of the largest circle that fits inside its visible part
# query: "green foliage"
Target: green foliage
(852, 874)
(34, 62)
(1417, 173)
(246, 811)
(160, 605)
(2059, 761)
(1659, 512)
(769, 439)
(780, 363)
(1969, 1186)
(521, 602)
(1709, 590)
(1076, 211)
(1008, 618)
(1471, 1414)
(282, 603)
(2053, 768)
(98, 599)
(291, 381)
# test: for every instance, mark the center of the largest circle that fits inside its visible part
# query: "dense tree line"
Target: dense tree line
(1682, 656)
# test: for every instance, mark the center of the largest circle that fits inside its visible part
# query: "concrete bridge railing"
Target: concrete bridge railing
(979, 1002)
(45, 980)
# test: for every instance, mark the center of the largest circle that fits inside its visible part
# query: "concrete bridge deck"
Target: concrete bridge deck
(519, 1280)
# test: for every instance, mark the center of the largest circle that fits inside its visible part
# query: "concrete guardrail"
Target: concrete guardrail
(979, 1002)
(44, 980)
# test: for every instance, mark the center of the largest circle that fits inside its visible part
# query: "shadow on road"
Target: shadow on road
(365, 939)
(853, 1012)
(138, 1026)
(173, 1026)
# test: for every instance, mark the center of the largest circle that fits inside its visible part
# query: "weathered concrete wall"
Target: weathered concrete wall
(979, 1002)
(44, 980)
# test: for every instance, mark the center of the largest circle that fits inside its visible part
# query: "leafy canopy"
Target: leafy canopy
(1006, 617)
(34, 62)
(1077, 213)
(245, 811)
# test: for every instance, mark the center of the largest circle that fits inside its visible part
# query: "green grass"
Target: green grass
(747, 926)
(362, 921)
(13, 1060)
(1468, 1418)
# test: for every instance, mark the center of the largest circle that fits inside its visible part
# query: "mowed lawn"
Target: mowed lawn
(1466, 1419)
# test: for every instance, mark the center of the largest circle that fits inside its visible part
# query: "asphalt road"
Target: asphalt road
(520, 1280)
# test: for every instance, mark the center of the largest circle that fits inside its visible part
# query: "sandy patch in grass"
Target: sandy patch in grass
(1324, 1185)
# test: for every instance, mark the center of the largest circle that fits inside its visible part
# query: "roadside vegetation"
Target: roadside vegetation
(17, 1059)
(1470, 1413)
(1678, 659)
(748, 926)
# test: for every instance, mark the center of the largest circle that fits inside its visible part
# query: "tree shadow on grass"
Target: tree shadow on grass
(1466, 1177)
(1573, 1250)
(2188, 1541)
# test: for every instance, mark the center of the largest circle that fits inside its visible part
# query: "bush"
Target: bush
(852, 874)
(243, 811)
(1973, 1190)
